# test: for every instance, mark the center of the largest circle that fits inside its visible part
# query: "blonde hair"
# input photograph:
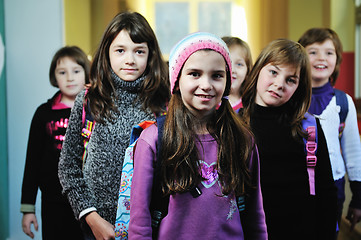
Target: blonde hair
(235, 41)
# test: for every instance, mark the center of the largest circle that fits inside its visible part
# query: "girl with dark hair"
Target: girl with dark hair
(205, 147)
(128, 84)
(69, 71)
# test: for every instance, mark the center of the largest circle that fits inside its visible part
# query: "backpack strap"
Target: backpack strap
(309, 125)
(341, 100)
(88, 123)
(137, 130)
(159, 203)
(241, 203)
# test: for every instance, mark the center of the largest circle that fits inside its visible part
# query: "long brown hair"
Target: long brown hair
(319, 35)
(154, 90)
(278, 52)
(180, 157)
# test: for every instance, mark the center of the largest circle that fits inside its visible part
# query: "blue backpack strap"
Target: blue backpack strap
(341, 100)
(137, 130)
(310, 126)
(134, 135)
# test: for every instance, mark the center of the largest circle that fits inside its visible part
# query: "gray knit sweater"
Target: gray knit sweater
(97, 185)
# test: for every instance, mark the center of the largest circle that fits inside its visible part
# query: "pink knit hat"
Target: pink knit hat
(190, 44)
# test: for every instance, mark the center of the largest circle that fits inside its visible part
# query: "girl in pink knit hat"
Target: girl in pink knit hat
(209, 163)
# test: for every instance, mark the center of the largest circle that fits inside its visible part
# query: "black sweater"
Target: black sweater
(41, 168)
(291, 212)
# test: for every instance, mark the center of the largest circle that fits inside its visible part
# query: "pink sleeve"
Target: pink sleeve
(144, 158)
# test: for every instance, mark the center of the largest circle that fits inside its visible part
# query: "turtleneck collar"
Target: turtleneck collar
(325, 89)
(275, 114)
(321, 97)
(269, 112)
(128, 86)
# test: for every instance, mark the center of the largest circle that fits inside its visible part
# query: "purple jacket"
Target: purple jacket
(209, 216)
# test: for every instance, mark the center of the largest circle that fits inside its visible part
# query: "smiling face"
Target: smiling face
(70, 77)
(322, 58)
(276, 84)
(202, 82)
(239, 68)
(128, 59)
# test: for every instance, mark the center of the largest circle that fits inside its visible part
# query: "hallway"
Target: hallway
(345, 233)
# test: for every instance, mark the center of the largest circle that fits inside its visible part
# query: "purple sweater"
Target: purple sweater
(207, 217)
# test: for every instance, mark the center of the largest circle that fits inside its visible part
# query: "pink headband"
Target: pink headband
(189, 45)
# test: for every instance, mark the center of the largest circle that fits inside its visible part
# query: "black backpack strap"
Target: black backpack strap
(159, 202)
(160, 125)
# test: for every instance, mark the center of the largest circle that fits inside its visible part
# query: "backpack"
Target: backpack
(341, 100)
(123, 209)
(311, 142)
(159, 203)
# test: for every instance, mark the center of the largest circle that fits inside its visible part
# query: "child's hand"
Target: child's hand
(354, 216)
(101, 229)
(28, 219)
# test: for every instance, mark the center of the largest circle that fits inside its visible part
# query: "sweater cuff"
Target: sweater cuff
(356, 194)
(27, 208)
(86, 211)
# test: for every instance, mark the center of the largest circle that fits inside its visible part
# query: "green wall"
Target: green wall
(4, 204)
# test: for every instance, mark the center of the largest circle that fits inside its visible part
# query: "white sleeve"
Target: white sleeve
(351, 144)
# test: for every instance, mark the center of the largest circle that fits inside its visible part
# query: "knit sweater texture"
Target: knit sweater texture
(97, 183)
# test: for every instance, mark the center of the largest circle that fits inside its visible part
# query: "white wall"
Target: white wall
(33, 33)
